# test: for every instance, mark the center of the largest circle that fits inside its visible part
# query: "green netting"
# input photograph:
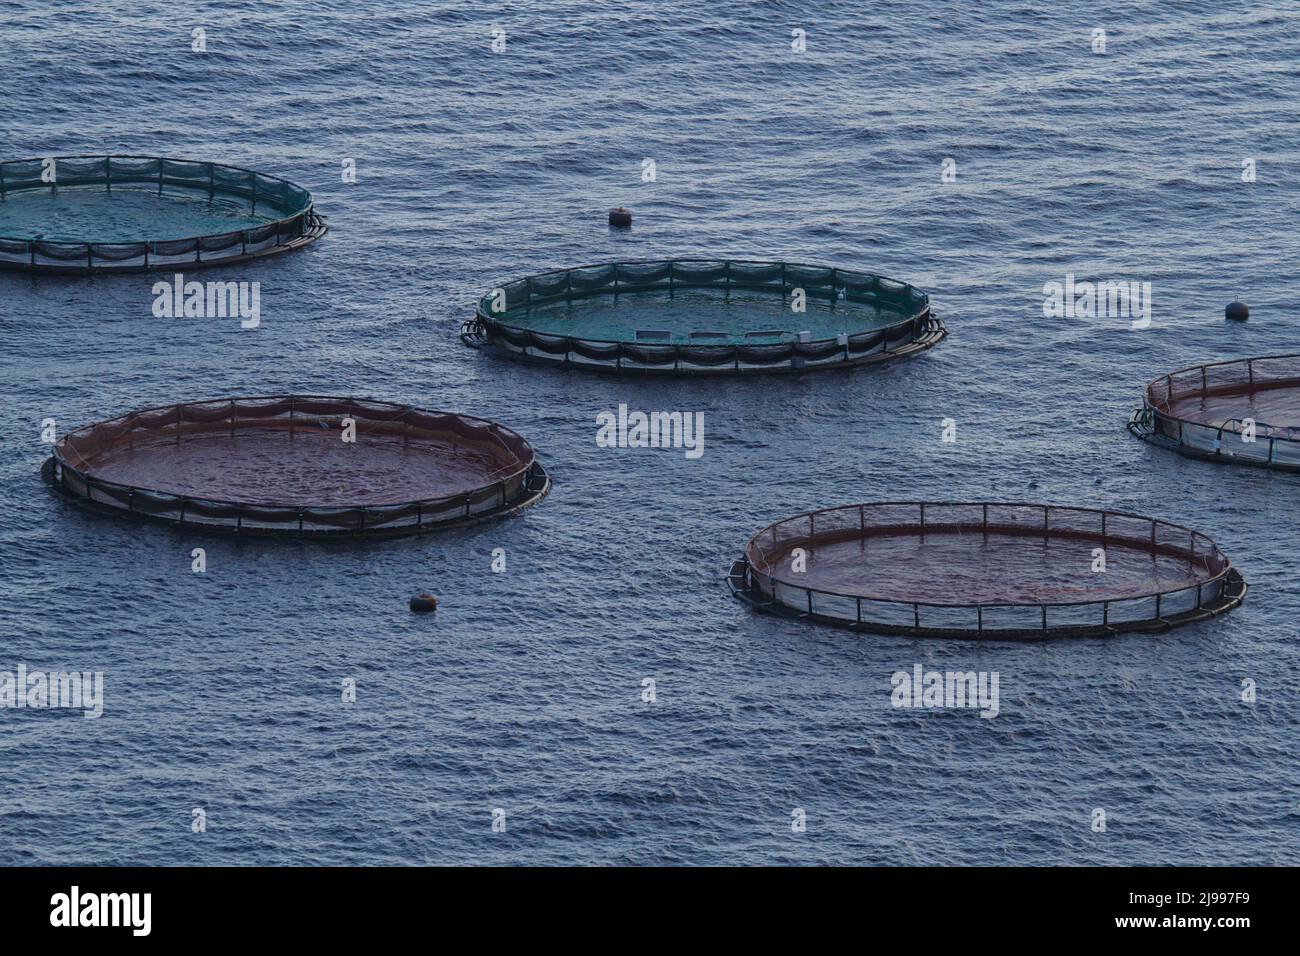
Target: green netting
(239, 181)
(124, 169)
(769, 273)
(632, 301)
(703, 272)
(21, 174)
(636, 273)
(82, 172)
(810, 277)
(109, 171)
(592, 277)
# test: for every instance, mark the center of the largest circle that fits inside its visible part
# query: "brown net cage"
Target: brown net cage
(299, 465)
(1245, 411)
(995, 570)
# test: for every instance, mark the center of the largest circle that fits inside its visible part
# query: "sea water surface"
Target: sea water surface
(524, 692)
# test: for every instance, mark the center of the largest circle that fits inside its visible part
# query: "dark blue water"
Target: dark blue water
(523, 691)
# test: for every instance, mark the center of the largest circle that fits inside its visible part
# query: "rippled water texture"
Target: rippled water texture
(619, 318)
(524, 692)
(93, 214)
(1278, 406)
(977, 568)
(270, 465)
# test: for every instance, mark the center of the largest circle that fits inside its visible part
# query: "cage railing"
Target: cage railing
(838, 281)
(1206, 594)
(427, 512)
(1217, 377)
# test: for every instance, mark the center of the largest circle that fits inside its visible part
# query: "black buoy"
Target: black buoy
(424, 601)
(620, 218)
(1236, 312)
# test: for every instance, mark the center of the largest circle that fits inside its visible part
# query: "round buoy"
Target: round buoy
(620, 218)
(1236, 311)
(424, 602)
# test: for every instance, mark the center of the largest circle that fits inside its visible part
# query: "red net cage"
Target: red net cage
(985, 569)
(1246, 411)
(301, 465)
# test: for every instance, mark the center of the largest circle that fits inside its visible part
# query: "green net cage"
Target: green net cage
(697, 316)
(79, 214)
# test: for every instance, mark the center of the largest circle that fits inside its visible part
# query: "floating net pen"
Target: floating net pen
(693, 316)
(1245, 411)
(83, 214)
(288, 465)
(985, 570)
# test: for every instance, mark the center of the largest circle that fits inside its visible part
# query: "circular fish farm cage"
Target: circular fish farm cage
(985, 570)
(1245, 411)
(695, 316)
(299, 466)
(81, 214)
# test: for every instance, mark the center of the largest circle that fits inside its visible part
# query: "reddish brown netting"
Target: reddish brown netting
(299, 464)
(1246, 411)
(985, 569)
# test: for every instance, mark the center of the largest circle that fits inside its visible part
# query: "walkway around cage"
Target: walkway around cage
(519, 482)
(757, 579)
(705, 351)
(1179, 412)
(293, 222)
